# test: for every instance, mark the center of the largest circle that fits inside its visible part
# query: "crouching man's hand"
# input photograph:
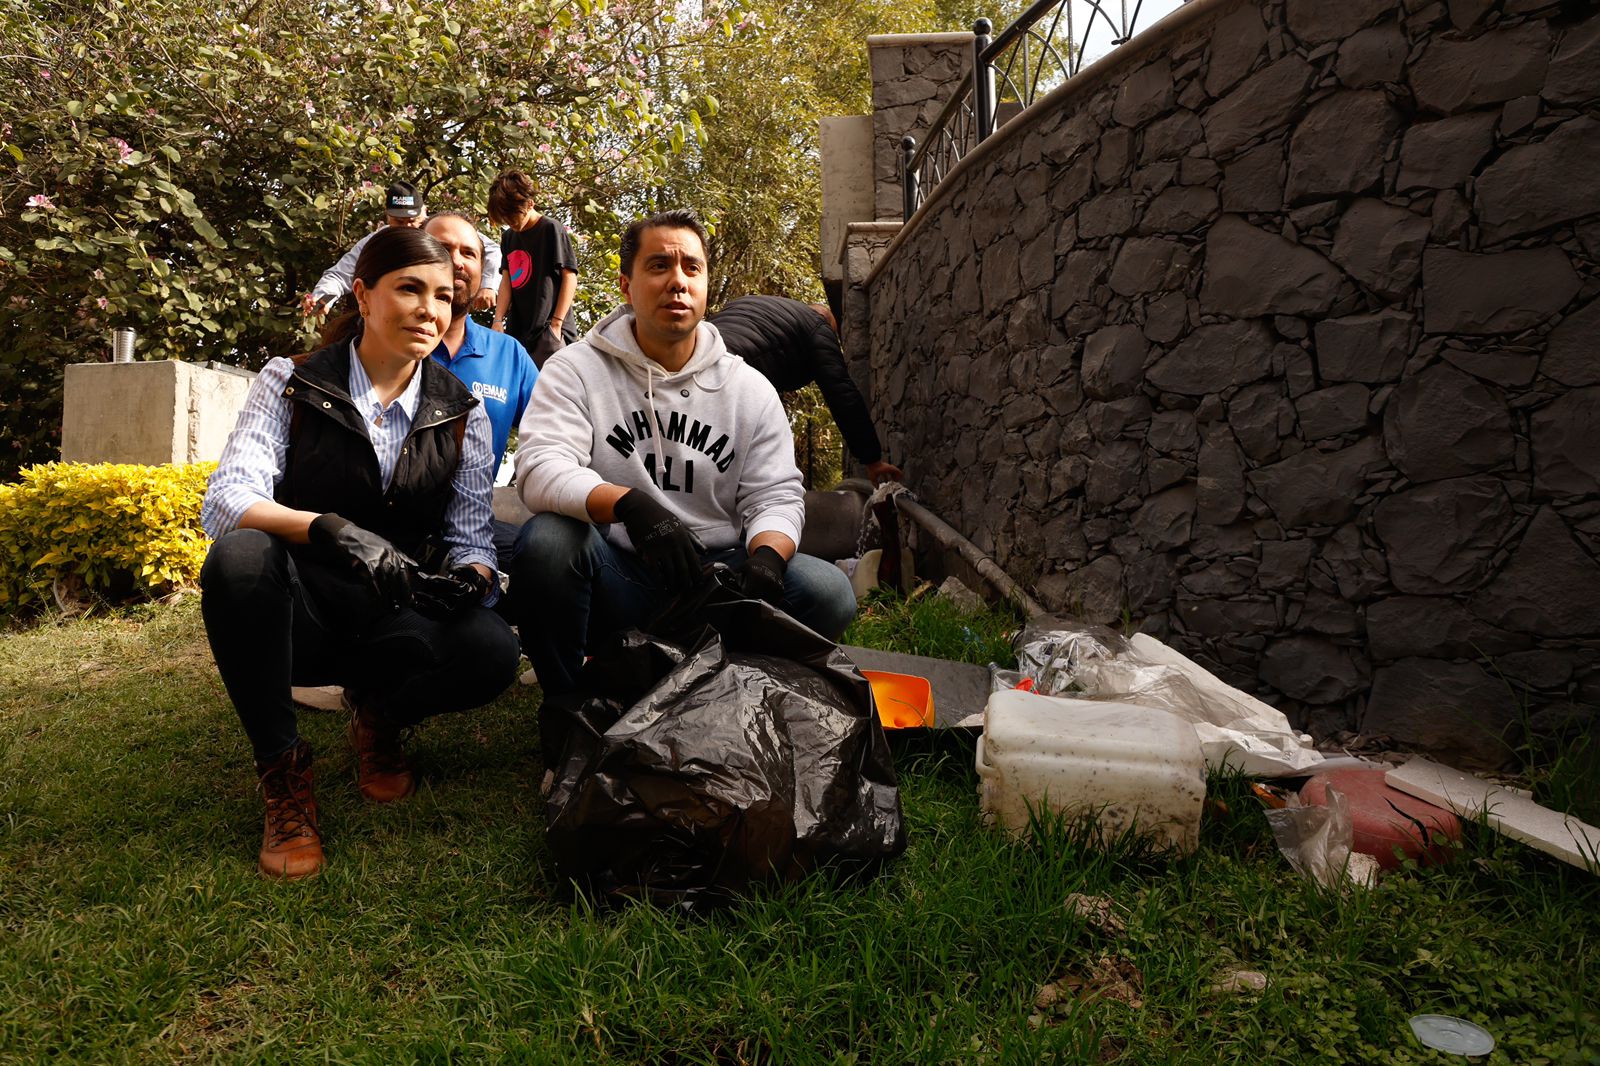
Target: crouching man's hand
(386, 568)
(668, 548)
(761, 575)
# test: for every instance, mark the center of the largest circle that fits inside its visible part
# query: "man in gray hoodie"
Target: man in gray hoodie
(647, 452)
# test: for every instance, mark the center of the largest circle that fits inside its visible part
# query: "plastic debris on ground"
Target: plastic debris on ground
(1455, 1036)
(1386, 823)
(726, 747)
(862, 571)
(1505, 810)
(1091, 662)
(904, 701)
(1130, 769)
(866, 568)
(1317, 842)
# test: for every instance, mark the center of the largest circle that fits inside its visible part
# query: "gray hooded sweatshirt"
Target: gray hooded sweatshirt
(710, 441)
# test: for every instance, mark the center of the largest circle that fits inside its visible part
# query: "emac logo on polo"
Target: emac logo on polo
(519, 267)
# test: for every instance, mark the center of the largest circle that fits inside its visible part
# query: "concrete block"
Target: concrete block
(155, 412)
(846, 145)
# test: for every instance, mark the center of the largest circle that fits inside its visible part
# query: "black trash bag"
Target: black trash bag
(728, 746)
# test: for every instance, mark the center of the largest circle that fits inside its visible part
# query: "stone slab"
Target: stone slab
(508, 506)
(320, 697)
(1457, 74)
(1566, 838)
(959, 689)
(1534, 186)
(1463, 292)
(1250, 272)
(832, 523)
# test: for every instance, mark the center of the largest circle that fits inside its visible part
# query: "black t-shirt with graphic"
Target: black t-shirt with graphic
(534, 261)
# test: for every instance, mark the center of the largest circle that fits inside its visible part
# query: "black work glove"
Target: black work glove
(444, 595)
(670, 550)
(761, 575)
(386, 568)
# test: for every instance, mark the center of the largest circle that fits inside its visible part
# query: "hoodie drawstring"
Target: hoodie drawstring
(655, 419)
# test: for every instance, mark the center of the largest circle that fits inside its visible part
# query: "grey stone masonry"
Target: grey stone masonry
(913, 74)
(1278, 333)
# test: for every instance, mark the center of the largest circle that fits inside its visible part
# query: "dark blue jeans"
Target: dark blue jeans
(572, 587)
(276, 618)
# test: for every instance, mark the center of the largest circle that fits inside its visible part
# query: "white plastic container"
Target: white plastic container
(1132, 767)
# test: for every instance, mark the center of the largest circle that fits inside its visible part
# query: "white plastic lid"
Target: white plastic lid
(1454, 1035)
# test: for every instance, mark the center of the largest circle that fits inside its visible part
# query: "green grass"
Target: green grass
(926, 624)
(133, 926)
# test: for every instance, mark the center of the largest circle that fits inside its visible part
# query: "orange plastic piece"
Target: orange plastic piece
(904, 701)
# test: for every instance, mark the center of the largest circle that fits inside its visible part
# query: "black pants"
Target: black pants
(542, 344)
(277, 617)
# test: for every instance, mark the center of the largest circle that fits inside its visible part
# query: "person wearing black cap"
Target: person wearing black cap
(402, 206)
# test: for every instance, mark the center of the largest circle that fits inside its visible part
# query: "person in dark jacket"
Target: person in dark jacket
(793, 344)
(351, 518)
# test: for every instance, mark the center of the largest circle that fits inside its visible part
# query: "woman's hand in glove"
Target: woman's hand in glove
(669, 549)
(448, 594)
(386, 567)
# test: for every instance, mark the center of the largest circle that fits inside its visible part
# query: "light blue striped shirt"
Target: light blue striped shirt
(253, 461)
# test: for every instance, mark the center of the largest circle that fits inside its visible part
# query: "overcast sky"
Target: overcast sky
(1099, 41)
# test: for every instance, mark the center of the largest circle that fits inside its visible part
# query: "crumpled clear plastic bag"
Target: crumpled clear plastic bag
(1317, 841)
(1236, 730)
(1053, 652)
(726, 747)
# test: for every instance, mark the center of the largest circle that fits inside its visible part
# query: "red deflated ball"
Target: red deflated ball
(1386, 823)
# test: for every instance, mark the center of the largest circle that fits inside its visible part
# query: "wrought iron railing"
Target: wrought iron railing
(1041, 50)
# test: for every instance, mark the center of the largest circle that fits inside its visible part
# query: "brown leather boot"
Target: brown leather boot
(382, 772)
(291, 847)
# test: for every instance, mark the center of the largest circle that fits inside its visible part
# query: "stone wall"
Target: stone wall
(1275, 332)
(864, 246)
(913, 74)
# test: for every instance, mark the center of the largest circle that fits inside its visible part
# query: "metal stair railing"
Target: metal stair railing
(1034, 55)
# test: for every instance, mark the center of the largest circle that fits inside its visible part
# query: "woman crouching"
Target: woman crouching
(352, 518)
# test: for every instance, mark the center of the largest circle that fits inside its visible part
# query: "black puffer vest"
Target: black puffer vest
(331, 465)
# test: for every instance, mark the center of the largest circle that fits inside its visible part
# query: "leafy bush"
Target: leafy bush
(190, 170)
(117, 528)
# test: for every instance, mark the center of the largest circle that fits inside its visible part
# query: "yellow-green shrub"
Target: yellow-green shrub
(103, 523)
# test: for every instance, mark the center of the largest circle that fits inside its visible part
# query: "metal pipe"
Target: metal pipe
(947, 537)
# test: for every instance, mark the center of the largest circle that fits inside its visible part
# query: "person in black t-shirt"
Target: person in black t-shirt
(539, 275)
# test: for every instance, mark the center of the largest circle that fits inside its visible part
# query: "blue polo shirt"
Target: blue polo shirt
(499, 371)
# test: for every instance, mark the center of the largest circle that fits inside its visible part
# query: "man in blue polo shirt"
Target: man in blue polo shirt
(494, 366)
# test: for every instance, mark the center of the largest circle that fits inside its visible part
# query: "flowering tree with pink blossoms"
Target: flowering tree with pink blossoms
(189, 170)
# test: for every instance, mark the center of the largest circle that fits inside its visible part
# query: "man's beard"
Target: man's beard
(460, 298)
